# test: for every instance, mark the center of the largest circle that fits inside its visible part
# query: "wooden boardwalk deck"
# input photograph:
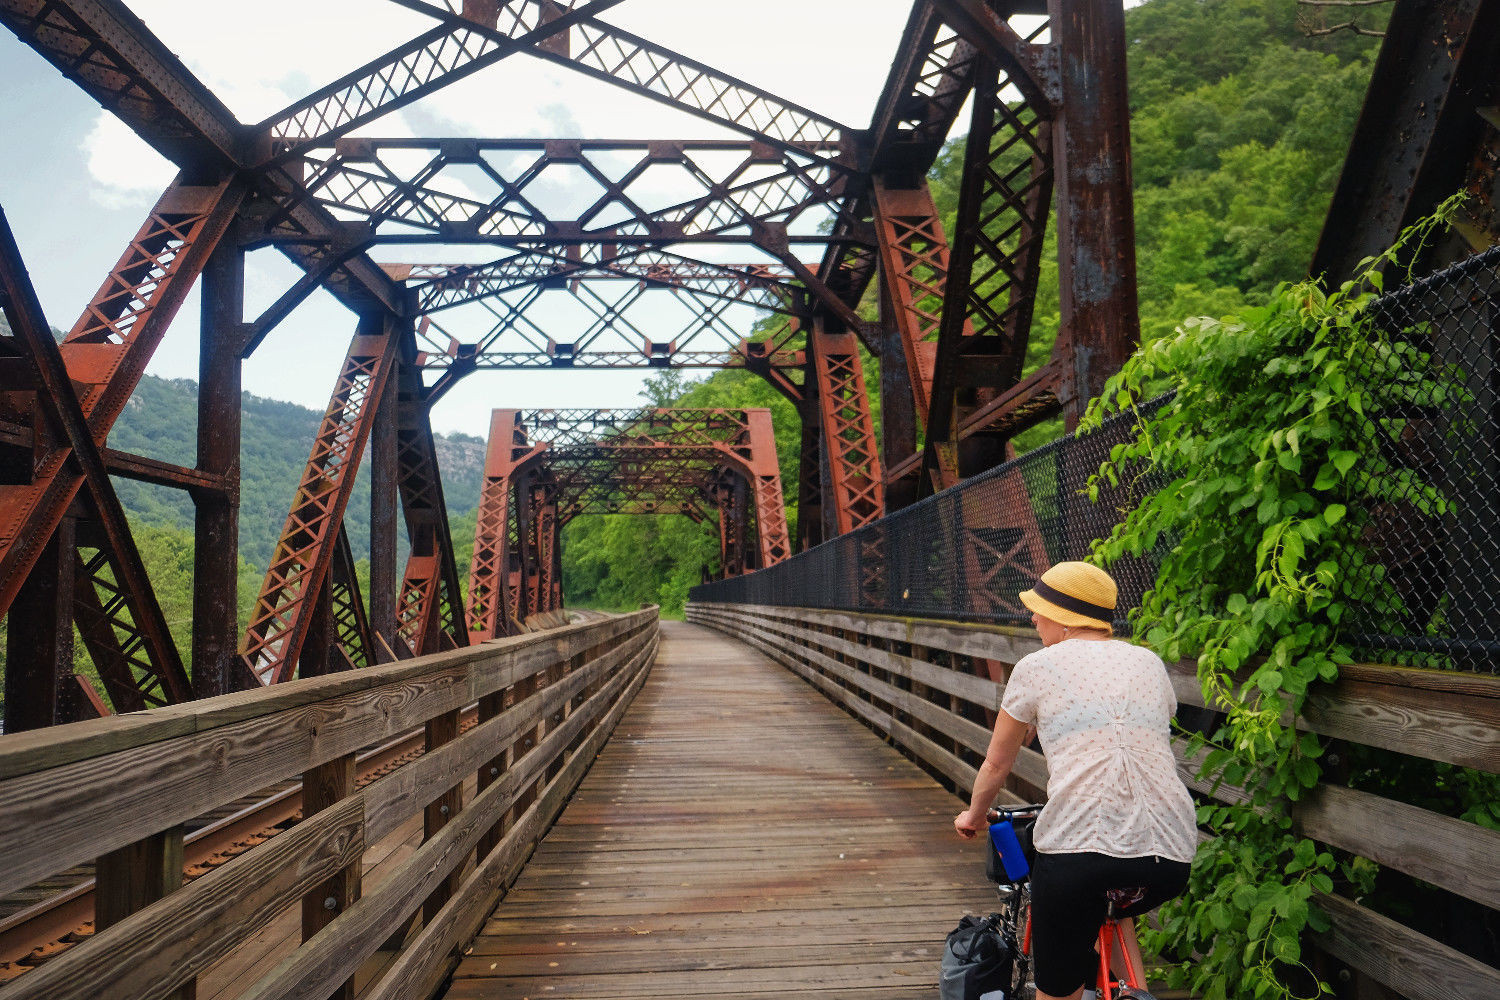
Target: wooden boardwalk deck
(739, 837)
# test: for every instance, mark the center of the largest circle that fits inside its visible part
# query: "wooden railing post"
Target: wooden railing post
(491, 771)
(135, 876)
(322, 787)
(440, 730)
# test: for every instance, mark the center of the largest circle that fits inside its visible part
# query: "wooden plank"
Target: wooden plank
(798, 842)
(358, 932)
(979, 690)
(1461, 857)
(153, 952)
(322, 788)
(1030, 766)
(34, 750)
(1412, 964)
(64, 815)
(426, 959)
(390, 799)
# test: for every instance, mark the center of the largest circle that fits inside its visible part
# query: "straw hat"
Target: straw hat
(1074, 593)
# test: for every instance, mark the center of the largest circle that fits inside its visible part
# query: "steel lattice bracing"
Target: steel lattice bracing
(664, 255)
(546, 467)
(304, 556)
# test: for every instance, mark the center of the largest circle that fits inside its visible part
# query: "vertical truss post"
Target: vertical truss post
(216, 520)
(765, 482)
(353, 643)
(541, 549)
(810, 465)
(858, 492)
(384, 476)
(429, 611)
(729, 499)
(493, 606)
(304, 556)
(1095, 206)
(39, 639)
(914, 273)
(898, 414)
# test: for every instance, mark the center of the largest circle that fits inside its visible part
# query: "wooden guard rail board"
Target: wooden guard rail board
(908, 679)
(120, 788)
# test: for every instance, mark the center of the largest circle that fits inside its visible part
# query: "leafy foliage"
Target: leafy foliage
(1260, 533)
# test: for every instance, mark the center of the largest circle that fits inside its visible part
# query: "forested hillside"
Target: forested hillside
(1239, 128)
(161, 421)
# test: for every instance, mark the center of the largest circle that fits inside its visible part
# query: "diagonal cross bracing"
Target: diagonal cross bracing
(305, 553)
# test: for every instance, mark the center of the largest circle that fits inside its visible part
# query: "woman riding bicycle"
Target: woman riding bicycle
(1117, 815)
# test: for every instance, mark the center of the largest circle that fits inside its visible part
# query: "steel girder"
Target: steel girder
(444, 286)
(1045, 114)
(1427, 130)
(429, 608)
(728, 186)
(112, 601)
(853, 453)
(105, 354)
(304, 556)
(546, 467)
(485, 32)
(639, 65)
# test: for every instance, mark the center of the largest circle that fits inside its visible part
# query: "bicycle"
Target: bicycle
(1015, 925)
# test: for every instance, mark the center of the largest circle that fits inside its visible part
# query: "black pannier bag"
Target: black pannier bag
(977, 960)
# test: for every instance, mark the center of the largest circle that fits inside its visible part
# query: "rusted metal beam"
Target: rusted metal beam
(1418, 133)
(429, 606)
(482, 34)
(380, 183)
(641, 66)
(858, 489)
(106, 353)
(39, 639)
(490, 610)
(303, 557)
(216, 522)
(108, 52)
(150, 661)
(1100, 313)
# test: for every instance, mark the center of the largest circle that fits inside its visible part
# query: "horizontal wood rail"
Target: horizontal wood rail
(101, 790)
(912, 680)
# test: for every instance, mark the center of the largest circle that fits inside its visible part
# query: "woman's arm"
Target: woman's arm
(1005, 743)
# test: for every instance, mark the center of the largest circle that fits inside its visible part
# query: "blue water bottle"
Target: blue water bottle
(1003, 836)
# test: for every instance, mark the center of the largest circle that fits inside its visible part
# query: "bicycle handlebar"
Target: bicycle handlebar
(1031, 811)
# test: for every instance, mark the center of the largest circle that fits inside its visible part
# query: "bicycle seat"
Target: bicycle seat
(1123, 898)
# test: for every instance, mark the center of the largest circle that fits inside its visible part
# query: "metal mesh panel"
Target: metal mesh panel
(966, 553)
(1432, 562)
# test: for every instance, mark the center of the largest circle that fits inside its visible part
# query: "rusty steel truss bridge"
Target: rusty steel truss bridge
(802, 217)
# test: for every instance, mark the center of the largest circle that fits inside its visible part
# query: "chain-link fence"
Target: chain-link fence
(1432, 536)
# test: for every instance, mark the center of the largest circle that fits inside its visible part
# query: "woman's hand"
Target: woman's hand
(968, 823)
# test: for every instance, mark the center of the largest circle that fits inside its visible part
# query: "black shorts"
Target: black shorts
(1068, 906)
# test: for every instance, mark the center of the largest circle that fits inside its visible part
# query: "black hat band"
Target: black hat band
(1073, 604)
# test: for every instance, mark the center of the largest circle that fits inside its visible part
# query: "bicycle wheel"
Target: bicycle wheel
(1022, 986)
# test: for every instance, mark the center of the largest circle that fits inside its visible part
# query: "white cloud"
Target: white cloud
(128, 172)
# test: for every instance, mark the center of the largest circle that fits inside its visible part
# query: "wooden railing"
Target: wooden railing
(118, 791)
(912, 680)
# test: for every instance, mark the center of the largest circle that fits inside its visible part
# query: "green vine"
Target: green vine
(1260, 533)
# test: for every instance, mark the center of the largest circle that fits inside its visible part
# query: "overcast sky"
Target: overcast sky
(76, 184)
